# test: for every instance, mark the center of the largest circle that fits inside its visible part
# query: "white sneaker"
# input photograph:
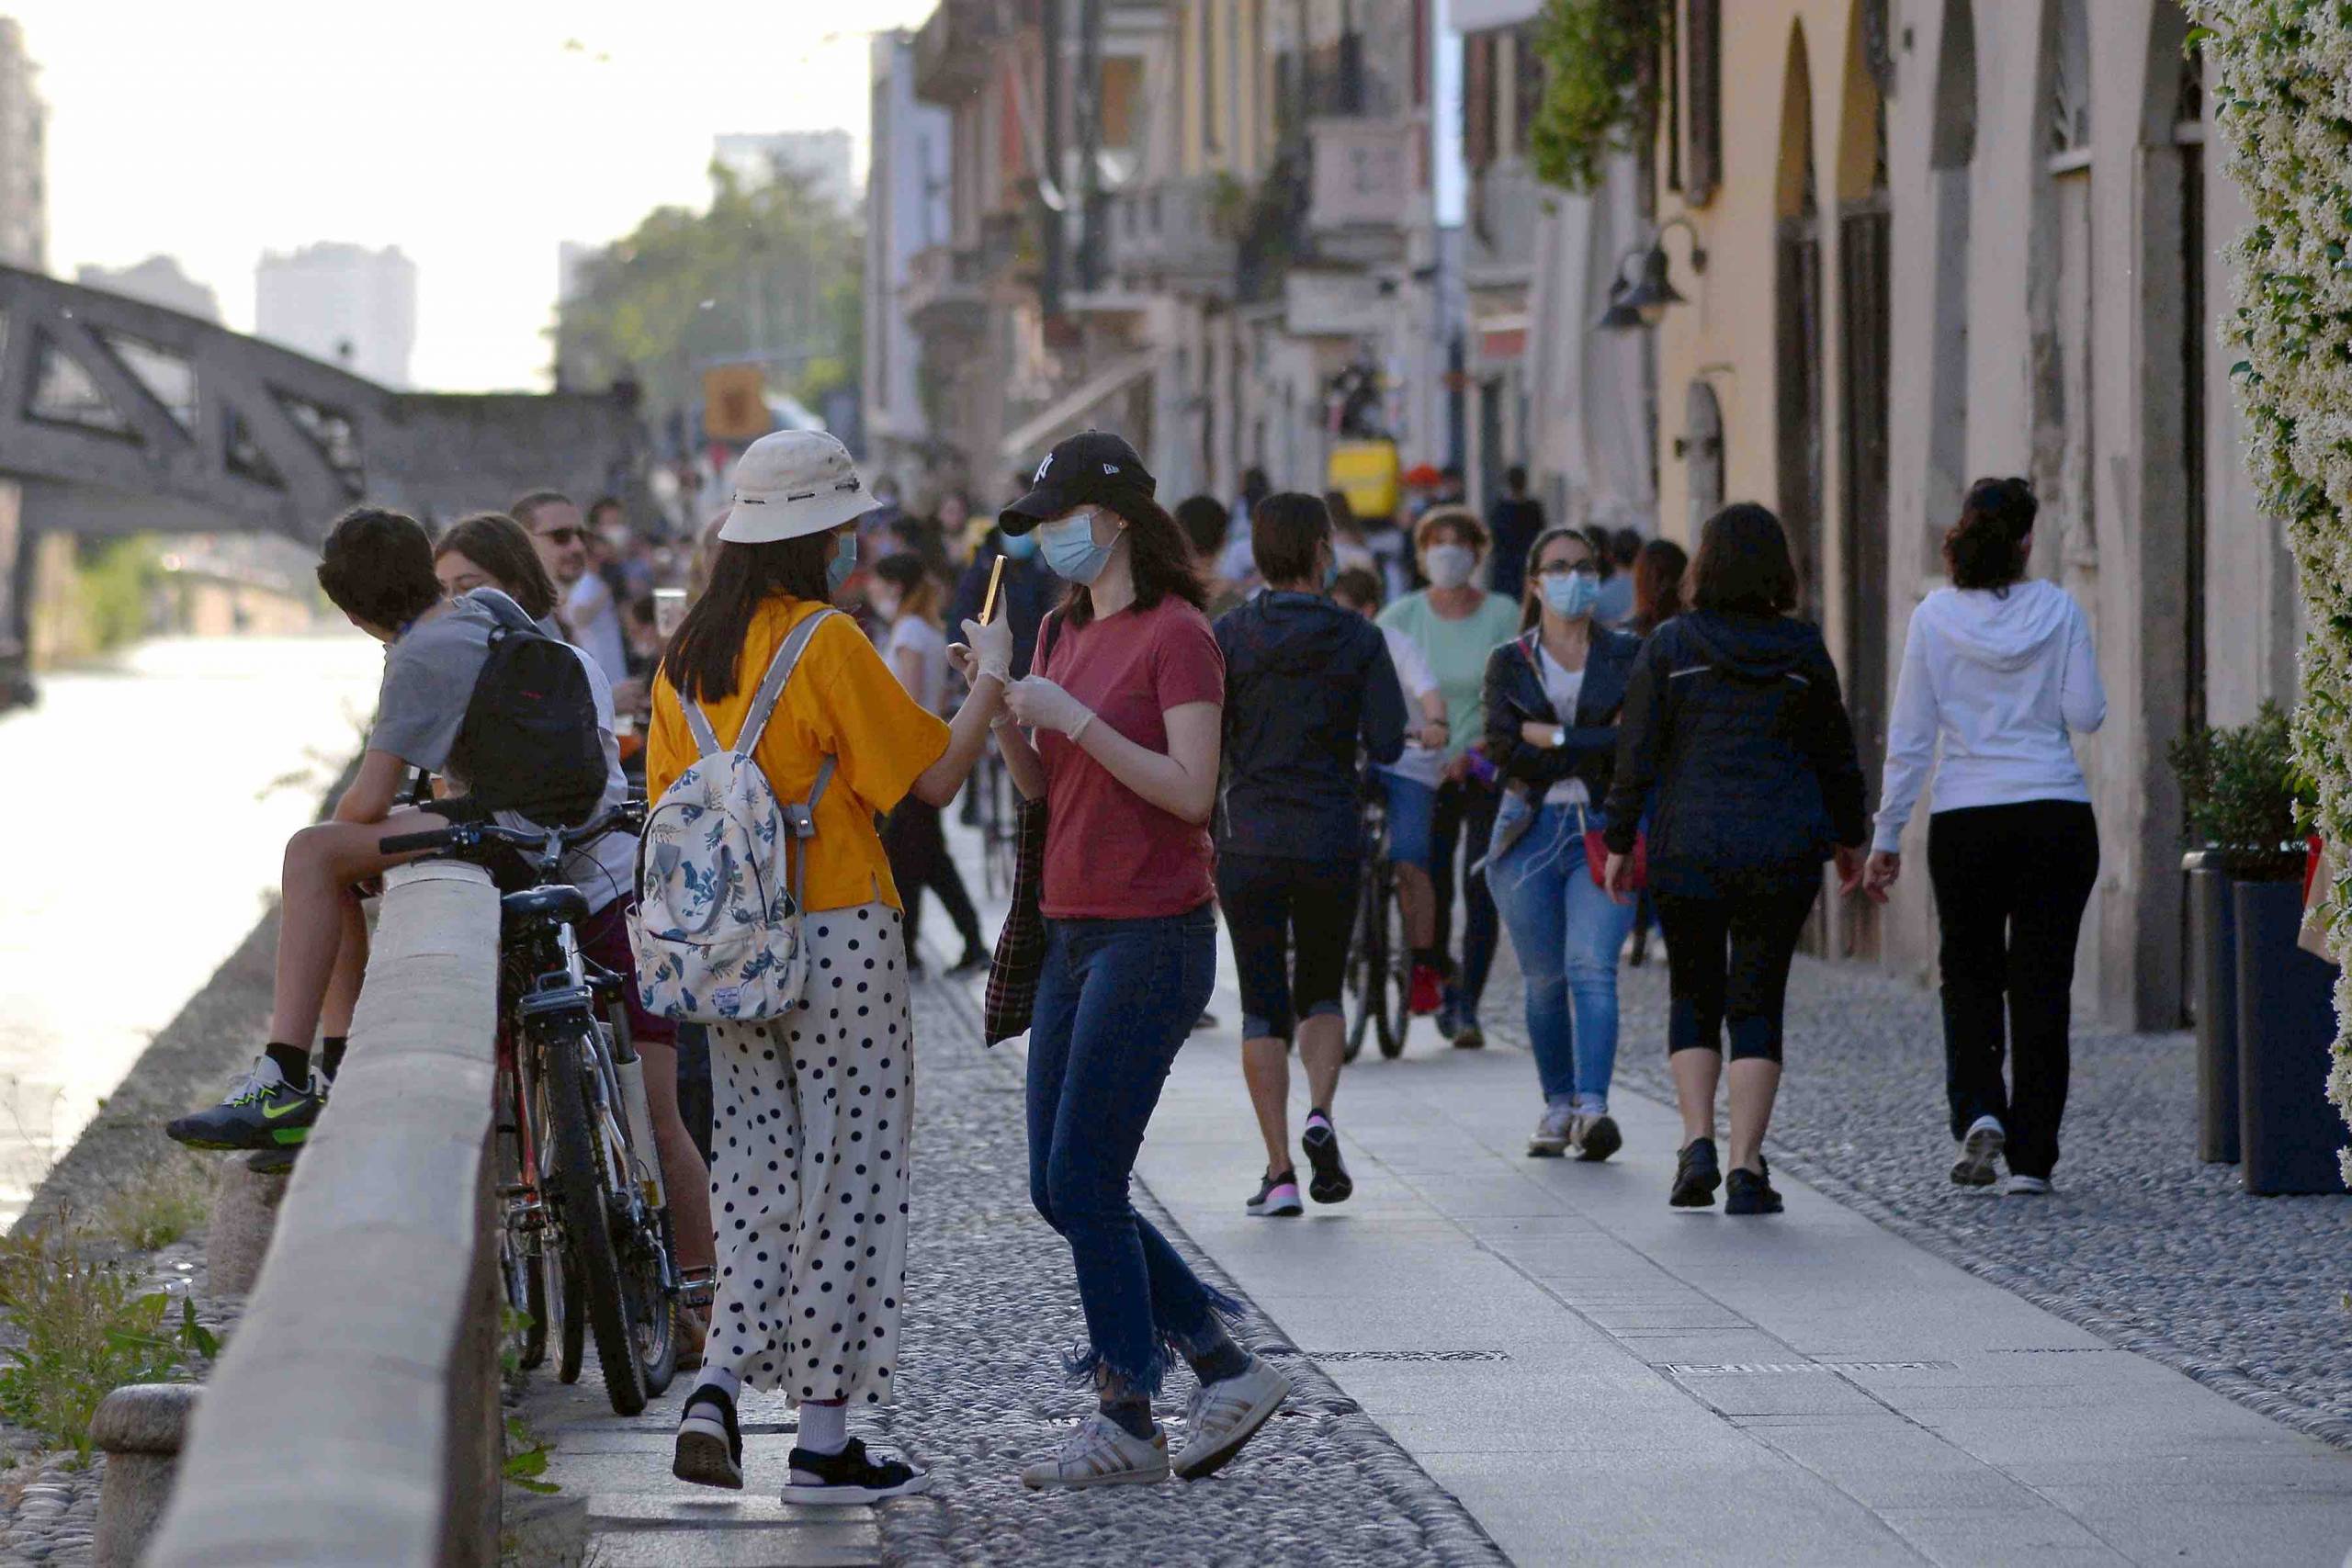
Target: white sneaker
(1980, 1151)
(1553, 1135)
(1101, 1453)
(1227, 1414)
(2028, 1185)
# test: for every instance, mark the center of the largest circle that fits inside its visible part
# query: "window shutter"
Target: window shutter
(1707, 165)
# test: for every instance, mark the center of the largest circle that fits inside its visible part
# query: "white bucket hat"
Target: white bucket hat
(792, 483)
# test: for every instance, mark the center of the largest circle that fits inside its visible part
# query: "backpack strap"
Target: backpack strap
(755, 718)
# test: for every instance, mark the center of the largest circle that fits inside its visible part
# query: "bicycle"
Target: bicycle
(584, 1228)
(1378, 979)
(999, 824)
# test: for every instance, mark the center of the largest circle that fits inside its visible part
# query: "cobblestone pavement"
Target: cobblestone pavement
(2142, 1243)
(991, 1305)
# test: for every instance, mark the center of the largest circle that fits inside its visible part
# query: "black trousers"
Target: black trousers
(1464, 822)
(917, 846)
(2011, 882)
(1727, 962)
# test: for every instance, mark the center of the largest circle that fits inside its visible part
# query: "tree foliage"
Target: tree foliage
(770, 268)
(1600, 85)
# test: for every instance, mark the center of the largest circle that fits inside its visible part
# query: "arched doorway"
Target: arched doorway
(1797, 327)
(1951, 156)
(1703, 448)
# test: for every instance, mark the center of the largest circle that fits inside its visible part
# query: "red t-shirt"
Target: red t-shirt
(1110, 854)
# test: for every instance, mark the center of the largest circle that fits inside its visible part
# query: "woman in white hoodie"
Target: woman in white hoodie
(1998, 674)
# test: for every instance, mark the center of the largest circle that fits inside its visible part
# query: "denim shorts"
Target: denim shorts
(1412, 807)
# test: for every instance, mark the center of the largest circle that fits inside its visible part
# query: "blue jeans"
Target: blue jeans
(1114, 1002)
(1567, 933)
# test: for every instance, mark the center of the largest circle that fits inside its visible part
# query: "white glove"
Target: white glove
(1038, 703)
(991, 648)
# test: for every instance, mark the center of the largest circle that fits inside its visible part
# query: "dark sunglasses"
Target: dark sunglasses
(563, 535)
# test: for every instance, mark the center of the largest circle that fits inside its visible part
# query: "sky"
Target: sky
(475, 136)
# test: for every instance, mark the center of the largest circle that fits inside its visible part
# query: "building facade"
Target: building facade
(344, 304)
(24, 156)
(907, 213)
(159, 281)
(1904, 210)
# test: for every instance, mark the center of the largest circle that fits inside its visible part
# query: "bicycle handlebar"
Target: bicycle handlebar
(465, 837)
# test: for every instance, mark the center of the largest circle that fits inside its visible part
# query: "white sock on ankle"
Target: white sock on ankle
(726, 1382)
(824, 1428)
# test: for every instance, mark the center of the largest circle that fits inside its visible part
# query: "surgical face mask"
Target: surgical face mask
(845, 561)
(1020, 547)
(1450, 566)
(1331, 574)
(1071, 553)
(1571, 593)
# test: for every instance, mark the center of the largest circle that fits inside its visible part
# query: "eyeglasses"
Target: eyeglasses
(1568, 569)
(562, 535)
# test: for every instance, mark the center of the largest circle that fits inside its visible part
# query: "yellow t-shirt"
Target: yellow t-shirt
(842, 702)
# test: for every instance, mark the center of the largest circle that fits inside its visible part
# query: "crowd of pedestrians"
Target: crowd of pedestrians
(1573, 735)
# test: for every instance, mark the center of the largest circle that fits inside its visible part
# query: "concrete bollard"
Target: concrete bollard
(138, 1428)
(245, 1216)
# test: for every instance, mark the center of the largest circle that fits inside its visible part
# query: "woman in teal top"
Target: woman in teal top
(1450, 796)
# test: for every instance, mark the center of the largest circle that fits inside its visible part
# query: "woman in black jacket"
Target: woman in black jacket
(1734, 717)
(1552, 697)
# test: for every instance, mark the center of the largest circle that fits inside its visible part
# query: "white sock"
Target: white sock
(824, 1428)
(726, 1382)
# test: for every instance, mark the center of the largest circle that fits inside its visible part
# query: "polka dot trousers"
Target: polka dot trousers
(812, 1115)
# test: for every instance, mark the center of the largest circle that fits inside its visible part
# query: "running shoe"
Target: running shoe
(1696, 1175)
(1332, 1183)
(710, 1446)
(850, 1476)
(1750, 1193)
(261, 1111)
(1225, 1414)
(1980, 1151)
(974, 962)
(1427, 993)
(1597, 1137)
(2028, 1185)
(1100, 1453)
(1550, 1139)
(1277, 1198)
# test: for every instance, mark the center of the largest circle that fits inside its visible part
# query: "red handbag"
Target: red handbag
(1596, 859)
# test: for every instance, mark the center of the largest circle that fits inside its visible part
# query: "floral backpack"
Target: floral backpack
(717, 932)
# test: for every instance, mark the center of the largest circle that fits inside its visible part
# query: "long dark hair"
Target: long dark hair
(1158, 555)
(1658, 570)
(1986, 548)
(702, 658)
(497, 544)
(1744, 566)
(1531, 598)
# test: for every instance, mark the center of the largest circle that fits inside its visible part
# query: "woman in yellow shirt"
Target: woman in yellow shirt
(812, 1112)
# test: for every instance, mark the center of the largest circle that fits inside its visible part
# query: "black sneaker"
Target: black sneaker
(261, 1111)
(850, 1476)
(975, 961)
(710, 1447)
(1277, 1198)
(1696, 1175)
(1332, 1183)
(1751, 1194)
(1467, 1035)
(1599, 1138)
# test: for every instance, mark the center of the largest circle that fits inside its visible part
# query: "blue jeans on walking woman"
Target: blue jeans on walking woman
(1567, 933)
(1115, 1001)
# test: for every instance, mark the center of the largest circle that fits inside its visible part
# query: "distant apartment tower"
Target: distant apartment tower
(23, 158)
(906, 212)
(159, 281)
(344, 304)
(820, 157)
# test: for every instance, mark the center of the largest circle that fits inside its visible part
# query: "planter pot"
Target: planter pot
(2288, 1132)
(2214, 982)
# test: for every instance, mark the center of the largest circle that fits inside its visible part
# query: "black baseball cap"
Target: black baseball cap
(1093, 466)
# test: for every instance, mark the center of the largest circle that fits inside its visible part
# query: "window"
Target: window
(1527, 84)
(1706, 168)
(1478, 100)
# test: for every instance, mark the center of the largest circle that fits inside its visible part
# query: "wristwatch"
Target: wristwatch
(1559, 735)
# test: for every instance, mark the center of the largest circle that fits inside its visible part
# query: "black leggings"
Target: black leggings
(1291, 920)
(917, 846)
(2011, 882)
(1728, 962)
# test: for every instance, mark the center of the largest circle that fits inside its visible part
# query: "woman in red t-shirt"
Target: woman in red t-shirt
(1125, 703)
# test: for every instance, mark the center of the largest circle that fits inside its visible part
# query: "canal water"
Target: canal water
(143, 810)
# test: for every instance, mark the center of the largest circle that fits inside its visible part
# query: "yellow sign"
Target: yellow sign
(1366, 473)
(734, 403)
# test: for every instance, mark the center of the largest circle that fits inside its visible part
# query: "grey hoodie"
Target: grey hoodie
(1999, 681)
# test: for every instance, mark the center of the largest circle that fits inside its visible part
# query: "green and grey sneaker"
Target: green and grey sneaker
(261, 1111)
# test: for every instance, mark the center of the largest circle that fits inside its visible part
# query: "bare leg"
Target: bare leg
(1695, 1072)
(1322, 1046)
(322, 863)
(1755, 1081)
(1417, 898)
(1265, 1068)
(683, 1175)
(350, 969)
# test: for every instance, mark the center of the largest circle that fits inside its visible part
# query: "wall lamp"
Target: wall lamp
(1642, 301)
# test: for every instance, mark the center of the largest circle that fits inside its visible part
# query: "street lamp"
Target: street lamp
(1643, 301)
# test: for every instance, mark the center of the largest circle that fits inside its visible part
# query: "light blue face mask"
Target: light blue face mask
(1020, 547)
(844, 563)
(1071, 553)
(1572, 594)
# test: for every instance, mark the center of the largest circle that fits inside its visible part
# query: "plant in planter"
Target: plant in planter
(2245, 796)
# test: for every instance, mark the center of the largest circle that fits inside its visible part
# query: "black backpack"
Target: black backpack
(529, 743)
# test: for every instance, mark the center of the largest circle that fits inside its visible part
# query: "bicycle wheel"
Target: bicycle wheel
(1395, 980)
(569, 1312)
(526, 1329)
(1353, 978)
(580, 1186)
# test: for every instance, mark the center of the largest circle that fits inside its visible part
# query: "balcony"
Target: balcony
(935, 300)
(951, 51)
(1180, 235)
(1365, 187)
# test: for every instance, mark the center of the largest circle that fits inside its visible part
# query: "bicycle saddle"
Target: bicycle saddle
(556, 901)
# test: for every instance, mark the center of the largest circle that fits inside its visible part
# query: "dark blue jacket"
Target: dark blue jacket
(1027, 593)
(1515, 697)
(1307, 686)
(1736, 722)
